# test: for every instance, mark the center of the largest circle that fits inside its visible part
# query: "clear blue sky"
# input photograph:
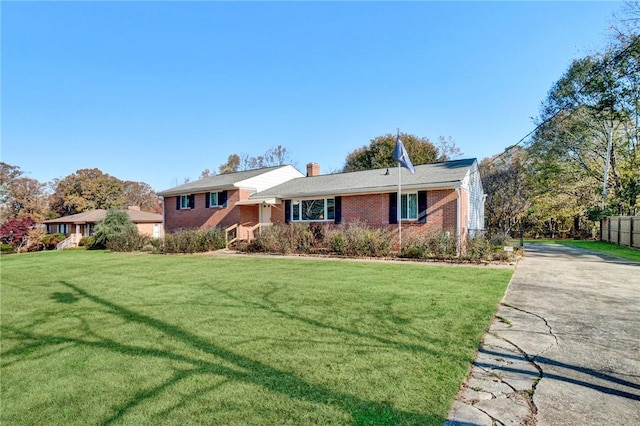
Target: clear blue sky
(159, 91)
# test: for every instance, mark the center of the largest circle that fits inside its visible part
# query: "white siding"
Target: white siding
(473, 183)
(270, 178)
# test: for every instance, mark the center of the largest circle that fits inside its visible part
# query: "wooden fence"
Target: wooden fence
(621, 230)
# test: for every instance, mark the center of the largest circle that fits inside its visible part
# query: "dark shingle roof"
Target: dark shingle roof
(434, 175)
(217, 182)
(93, 216)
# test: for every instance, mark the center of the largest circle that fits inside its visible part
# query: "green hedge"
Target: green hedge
(358, 239)
(353, 240)
(190, 241)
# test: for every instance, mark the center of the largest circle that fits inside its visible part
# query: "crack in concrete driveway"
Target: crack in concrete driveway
(563, 347)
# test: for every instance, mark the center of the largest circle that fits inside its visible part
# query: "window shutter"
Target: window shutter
(287, 211)
(422, 206)
(207, 200)
(192, 201)
(222, 199)
(338, 209)
(393, 207)
(177, 202)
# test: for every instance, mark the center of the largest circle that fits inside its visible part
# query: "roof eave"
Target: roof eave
(200, 190)
(368, 191)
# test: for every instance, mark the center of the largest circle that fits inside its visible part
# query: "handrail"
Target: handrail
(251, 234)
(227, 230)
(65, 243)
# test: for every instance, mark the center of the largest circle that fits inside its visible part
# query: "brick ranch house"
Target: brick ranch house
(446, 196)
(82, 224)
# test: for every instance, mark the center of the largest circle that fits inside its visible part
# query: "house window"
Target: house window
(409, 206)
(313, 210)
(63, 228)
(184, 202)
(214, 199)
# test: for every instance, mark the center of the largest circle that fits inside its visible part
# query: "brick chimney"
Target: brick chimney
(313, 169)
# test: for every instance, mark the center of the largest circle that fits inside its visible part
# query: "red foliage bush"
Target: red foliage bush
(16, 231)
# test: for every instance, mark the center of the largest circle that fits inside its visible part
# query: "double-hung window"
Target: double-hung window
(322, 209)
(215, 199)
(185, 202)
(409, 206)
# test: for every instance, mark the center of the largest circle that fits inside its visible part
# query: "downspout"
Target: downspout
(458, 221)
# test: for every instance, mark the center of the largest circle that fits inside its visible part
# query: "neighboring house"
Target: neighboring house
(223, 200)
(81, 225)
(446, 196)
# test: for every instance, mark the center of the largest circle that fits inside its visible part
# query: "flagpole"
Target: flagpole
(402, 157)
(399, 211)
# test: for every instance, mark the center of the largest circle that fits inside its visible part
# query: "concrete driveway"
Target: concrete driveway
(564, 348)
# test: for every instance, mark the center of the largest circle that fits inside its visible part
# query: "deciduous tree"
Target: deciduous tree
(504, 181)
(16, 231)
(276, 156)
(20, 196)
(232, 164)
(379, 152)
(87, 189)
(590, 123)
(141, 194)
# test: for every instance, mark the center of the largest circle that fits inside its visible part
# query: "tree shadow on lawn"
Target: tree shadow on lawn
(245, 370)
(272, 307)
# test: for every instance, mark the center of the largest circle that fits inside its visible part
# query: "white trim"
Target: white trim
(271, 201)
(369, 191)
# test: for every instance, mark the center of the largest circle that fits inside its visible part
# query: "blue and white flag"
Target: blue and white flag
(400, 155)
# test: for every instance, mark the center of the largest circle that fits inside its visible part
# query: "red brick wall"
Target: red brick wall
(201, 217)
(373, 209)
(277, 214)
(442, 206)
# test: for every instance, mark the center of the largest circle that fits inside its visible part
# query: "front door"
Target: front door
(265, 213)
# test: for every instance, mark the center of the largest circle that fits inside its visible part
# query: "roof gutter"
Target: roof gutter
(364, 191)
(201, 190)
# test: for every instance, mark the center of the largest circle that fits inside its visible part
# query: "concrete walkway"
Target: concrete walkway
(564, 348)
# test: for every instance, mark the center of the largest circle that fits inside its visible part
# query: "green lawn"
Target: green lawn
(598, 247)
(92, 337)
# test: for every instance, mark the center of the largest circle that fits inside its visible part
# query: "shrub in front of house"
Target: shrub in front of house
(127, 242)
(191, 241)
(7, 248)
(85, 242)
(357, 239)
(433, 244)
(51, 240)
(213, 239)
(116, 226)
(413, 246)
(478, 249)
(354, 239)
(277, 239)
(365, 241)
